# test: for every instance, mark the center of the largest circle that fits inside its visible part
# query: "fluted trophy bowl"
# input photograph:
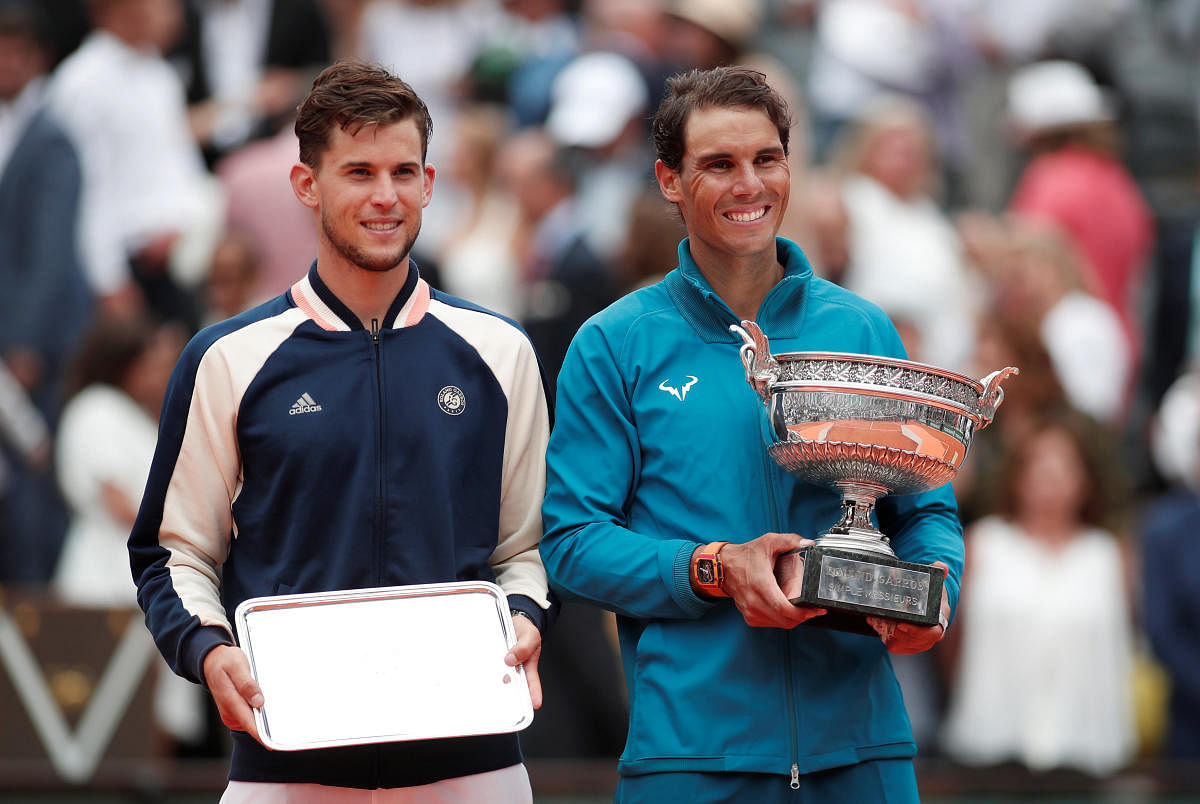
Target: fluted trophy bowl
(867, 426)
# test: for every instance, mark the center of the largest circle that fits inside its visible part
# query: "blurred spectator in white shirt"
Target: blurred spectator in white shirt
(148, 200)
(904, 254)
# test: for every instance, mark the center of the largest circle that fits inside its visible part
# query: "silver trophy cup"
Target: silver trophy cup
(865, 427)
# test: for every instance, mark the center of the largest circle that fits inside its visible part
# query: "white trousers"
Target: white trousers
(505, 786)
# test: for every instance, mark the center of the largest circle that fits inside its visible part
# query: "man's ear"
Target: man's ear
(668, 181)
(427, 185)
(304, 185)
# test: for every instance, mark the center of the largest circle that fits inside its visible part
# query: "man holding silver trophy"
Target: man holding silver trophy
(675, 496)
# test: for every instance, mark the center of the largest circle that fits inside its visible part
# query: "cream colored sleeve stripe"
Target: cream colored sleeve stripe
(197, 510)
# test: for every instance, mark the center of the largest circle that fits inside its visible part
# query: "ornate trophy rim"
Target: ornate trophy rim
(876, 360)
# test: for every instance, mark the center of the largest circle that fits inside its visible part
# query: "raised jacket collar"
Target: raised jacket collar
(781, 313)
(319, 303)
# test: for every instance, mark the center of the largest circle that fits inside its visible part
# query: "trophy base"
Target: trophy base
(852, 585)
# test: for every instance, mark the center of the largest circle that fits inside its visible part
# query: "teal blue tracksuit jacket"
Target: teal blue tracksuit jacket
(658, 446)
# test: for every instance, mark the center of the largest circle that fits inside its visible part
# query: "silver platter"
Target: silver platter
(383, 665)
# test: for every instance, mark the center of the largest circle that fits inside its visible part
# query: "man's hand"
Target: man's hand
(908, 637)
(227, 673)
(750, 580)
(527, 651)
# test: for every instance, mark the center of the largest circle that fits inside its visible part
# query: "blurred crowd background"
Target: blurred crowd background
(1014, 181)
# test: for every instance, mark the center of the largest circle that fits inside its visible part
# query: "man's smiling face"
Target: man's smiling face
(733, 184)
(371, 187)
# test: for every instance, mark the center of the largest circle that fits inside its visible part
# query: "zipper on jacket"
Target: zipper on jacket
(791, 704)
(777, 524)
(379, 484)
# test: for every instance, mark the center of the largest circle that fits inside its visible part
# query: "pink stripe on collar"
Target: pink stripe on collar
(305, 305)
(420, 303)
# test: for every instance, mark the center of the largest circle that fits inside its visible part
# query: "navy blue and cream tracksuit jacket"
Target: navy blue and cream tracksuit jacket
(300, 451)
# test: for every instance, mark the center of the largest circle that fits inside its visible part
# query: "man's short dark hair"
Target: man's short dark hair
(720, 87)
(351, 94)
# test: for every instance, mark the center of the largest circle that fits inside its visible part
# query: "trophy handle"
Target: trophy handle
(993, 394)
(761, 368)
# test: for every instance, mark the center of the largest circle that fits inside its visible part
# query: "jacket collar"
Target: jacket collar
(780, 315)
(319, 303)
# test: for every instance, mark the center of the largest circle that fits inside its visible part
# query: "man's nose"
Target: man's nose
(747, 181)
(383, 192)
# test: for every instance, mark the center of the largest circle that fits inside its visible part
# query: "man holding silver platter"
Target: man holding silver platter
(362, 430)
(664, 505)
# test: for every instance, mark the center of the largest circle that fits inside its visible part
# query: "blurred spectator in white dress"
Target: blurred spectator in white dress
(105, 442)
(105, 445)
(1045, 640)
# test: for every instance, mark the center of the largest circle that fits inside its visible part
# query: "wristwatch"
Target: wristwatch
(708, 577)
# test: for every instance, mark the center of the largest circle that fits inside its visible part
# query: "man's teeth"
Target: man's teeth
(746, 217)
(381, 227)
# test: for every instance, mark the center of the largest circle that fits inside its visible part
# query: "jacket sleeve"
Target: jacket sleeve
(924, 528)
(592, 468)
(184, 526)
(516, 562)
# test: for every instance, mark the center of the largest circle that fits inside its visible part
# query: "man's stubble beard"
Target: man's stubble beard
(356, 256)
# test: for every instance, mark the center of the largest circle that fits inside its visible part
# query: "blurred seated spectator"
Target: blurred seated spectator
(1076, 181)
(712, 33)
(1170, 564)
(246, 65)
(1001, 342)
(262, 205)
(1044, 292)
(817, 220)
(477, 260)
(904, 254)
(105, 445)
(105, 442)
(599, 109)
(151, 211)
(563, 281)
(520, 57)
(867, 49)
(1043, 675)
(652, 245)
(231, 286)
(433, 45)
(45, 301)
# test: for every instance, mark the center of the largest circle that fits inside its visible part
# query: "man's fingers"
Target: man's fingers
(249, 690)
(234, 690)
(526, 652)
(534, 680)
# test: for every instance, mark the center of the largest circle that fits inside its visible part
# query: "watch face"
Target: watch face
(706, 572)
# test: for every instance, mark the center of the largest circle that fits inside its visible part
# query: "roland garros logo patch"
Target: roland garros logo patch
(452, 400)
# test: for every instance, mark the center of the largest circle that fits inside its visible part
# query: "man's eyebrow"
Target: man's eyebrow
(350, 165)
(716, 155)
